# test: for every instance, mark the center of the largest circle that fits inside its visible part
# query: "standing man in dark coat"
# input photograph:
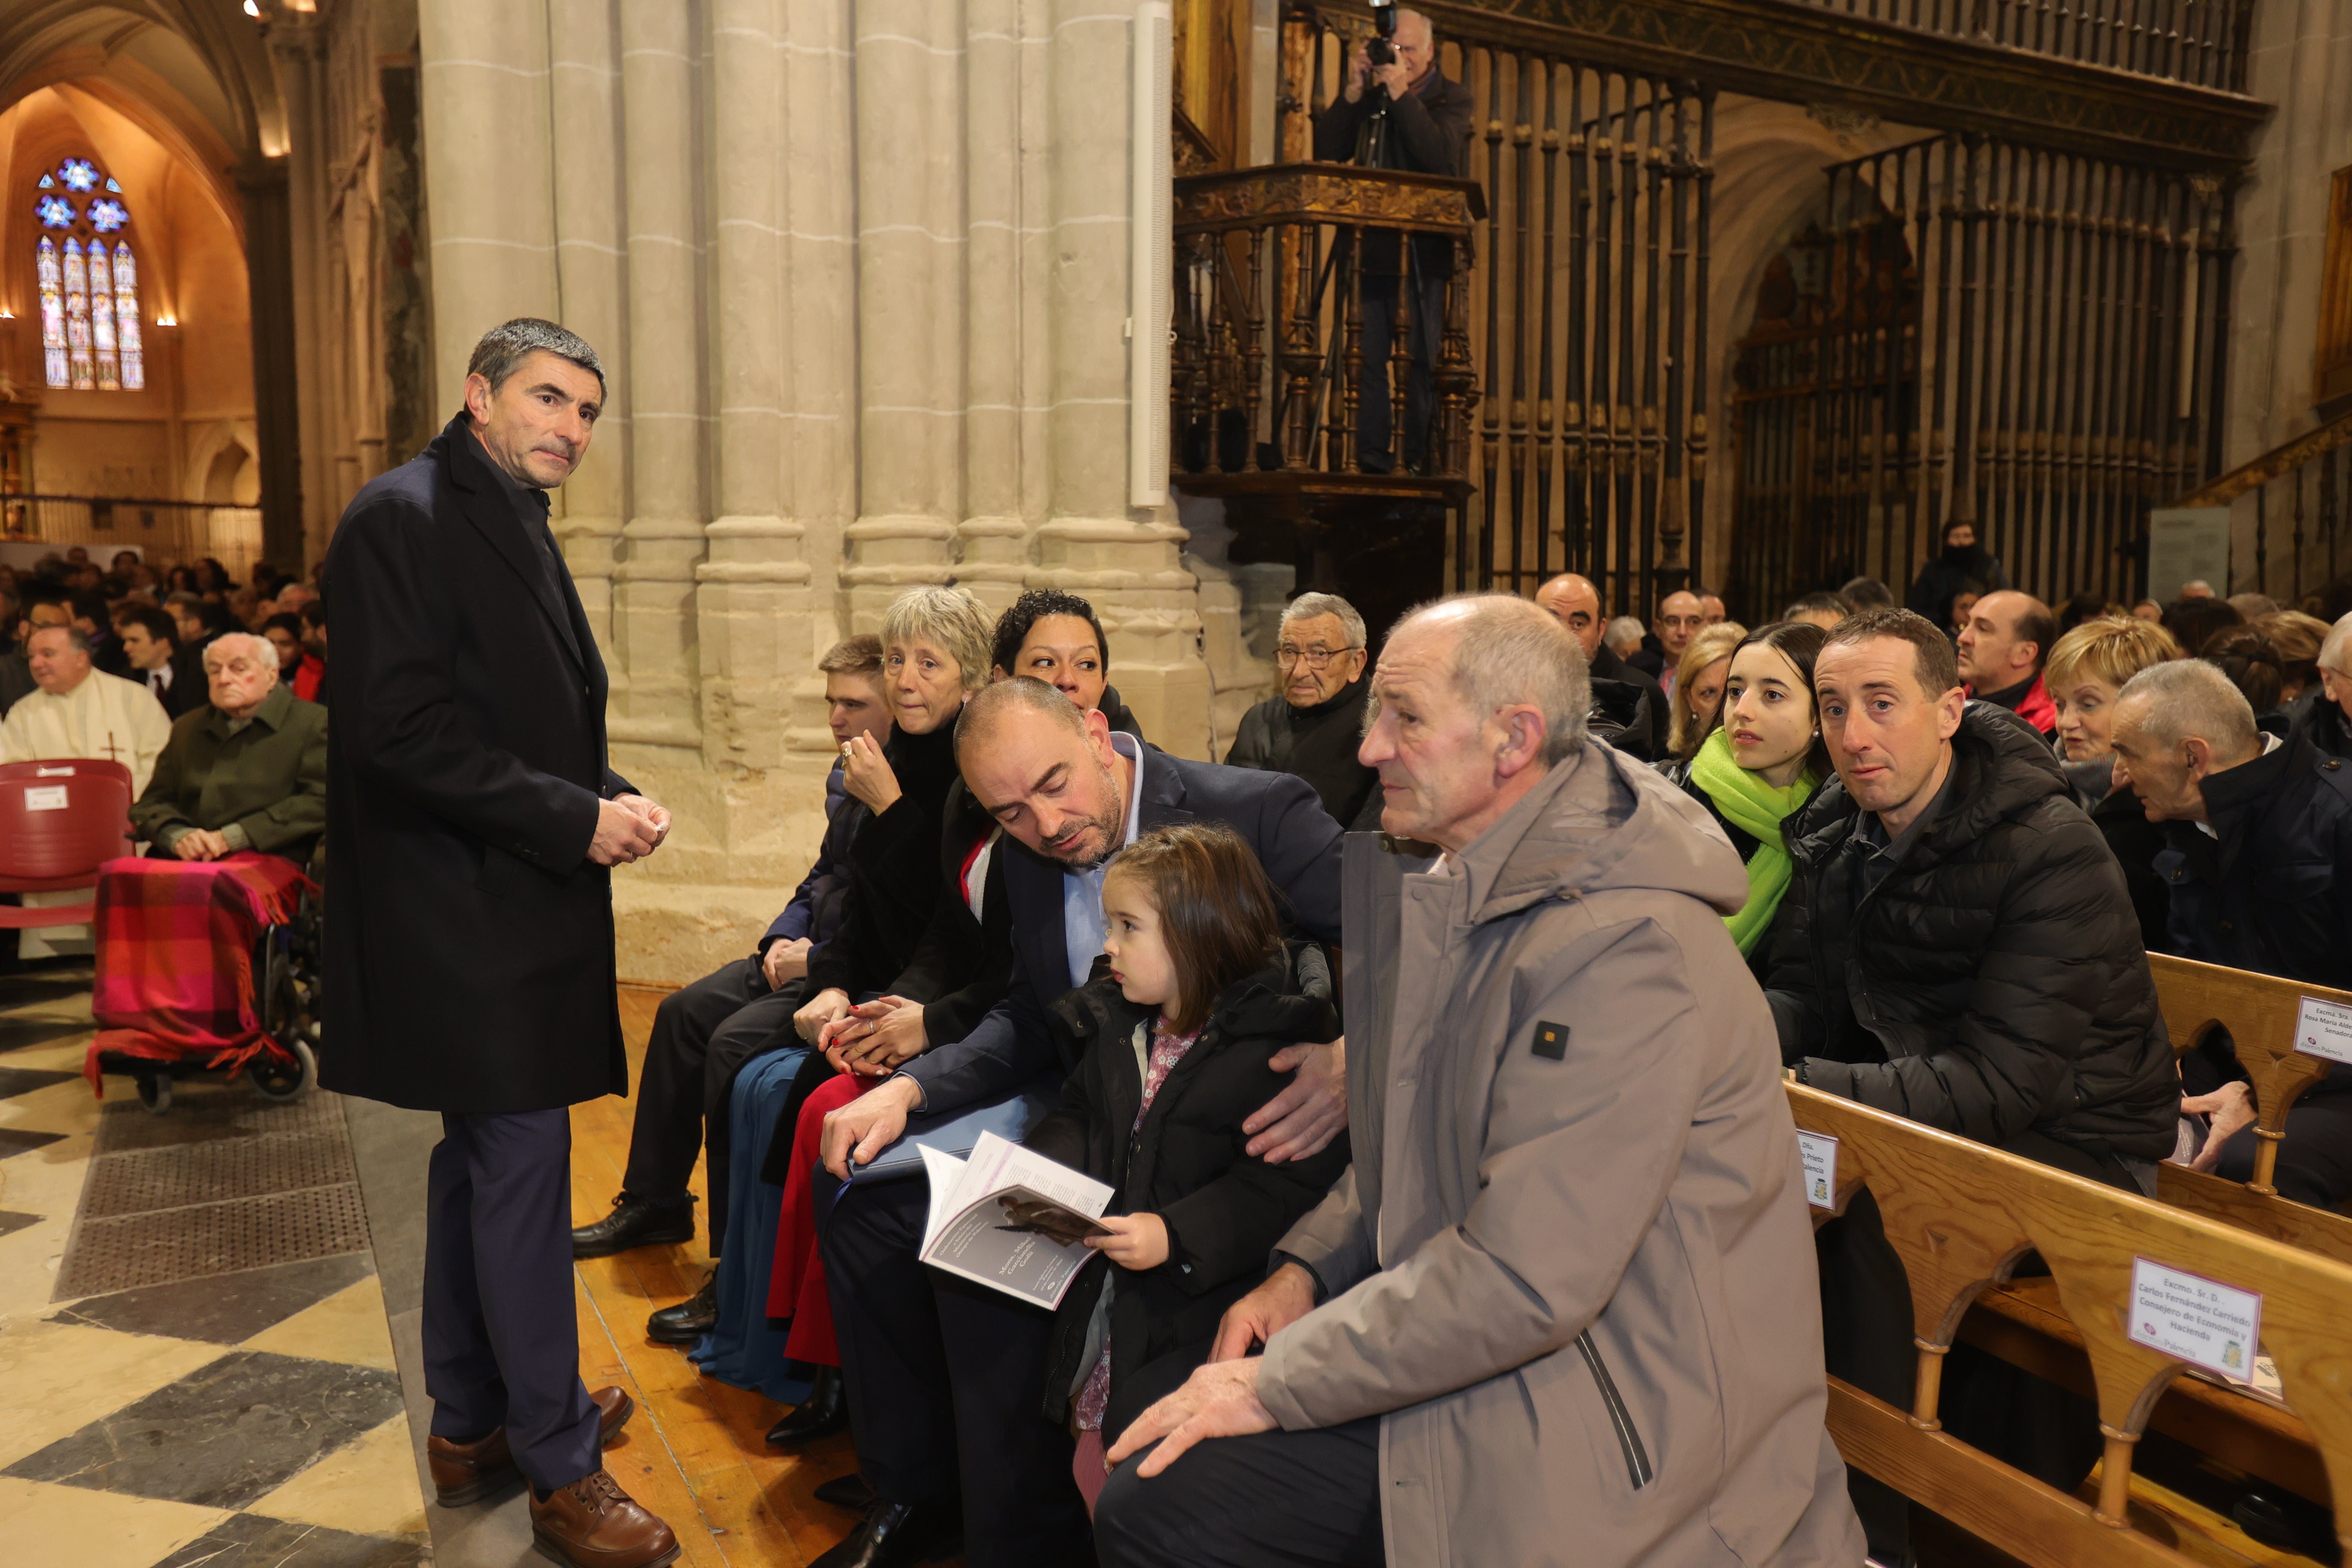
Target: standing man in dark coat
(472, 823)
(1403, 114)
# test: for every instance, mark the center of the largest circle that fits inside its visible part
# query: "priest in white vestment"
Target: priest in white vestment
(79, 711)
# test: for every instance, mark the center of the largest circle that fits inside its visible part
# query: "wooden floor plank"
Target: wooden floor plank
(695, 1453)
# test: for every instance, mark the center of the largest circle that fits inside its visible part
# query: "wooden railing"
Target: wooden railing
(1270, 322)
(2200, 42)
(2302, 489)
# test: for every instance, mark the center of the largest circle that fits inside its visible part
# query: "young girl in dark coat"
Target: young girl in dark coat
(1202, 991)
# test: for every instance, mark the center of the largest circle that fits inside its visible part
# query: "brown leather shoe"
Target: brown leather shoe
(468, 1472)
(593, 1523)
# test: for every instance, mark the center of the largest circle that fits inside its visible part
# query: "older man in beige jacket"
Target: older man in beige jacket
(1562, 1308)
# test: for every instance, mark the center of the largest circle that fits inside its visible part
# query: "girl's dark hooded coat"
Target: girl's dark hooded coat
(1224, 1209)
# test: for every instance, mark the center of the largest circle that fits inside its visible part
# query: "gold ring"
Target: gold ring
(844, 751)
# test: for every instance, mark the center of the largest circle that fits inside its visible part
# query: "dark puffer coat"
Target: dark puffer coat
(1994, 982)
(2272, 890)
(1224, 1209)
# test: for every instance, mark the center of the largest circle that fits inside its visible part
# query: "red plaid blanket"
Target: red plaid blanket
(176, 943)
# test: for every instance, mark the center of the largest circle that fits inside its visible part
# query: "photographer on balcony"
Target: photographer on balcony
(1396, 111)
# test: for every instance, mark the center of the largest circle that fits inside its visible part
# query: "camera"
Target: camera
(1378, 49)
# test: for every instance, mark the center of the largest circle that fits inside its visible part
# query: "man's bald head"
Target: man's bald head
(1576, 603)
(1680, 615)
(2008, 637)
(1045, 768)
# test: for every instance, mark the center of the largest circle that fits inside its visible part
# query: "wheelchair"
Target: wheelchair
(288, 996)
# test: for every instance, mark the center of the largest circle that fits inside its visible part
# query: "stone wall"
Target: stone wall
(860, 275)
(2300, 61)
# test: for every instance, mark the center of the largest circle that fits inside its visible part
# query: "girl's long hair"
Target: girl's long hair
(1218, 913)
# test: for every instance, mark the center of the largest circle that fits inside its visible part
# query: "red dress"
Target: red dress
(796, 1286)
(796, 1281)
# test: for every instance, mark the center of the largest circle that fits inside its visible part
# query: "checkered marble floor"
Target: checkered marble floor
(250, 1418)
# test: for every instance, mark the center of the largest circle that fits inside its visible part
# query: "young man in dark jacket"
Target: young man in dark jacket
(704, 1033)
(2258, 860)
(1959, 947)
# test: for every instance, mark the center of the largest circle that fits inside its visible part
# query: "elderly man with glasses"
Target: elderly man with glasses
(1312, 725)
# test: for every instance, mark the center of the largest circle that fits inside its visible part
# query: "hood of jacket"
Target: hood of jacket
(1599, 820)
(1289, 1000)
(2001, 768)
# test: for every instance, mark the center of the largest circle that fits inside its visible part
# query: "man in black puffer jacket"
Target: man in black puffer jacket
(1957, 946)
(1963, 952)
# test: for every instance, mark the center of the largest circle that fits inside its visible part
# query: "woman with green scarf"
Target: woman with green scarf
(1760, 761)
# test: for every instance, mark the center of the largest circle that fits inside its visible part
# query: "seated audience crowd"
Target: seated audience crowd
(1392, 1272)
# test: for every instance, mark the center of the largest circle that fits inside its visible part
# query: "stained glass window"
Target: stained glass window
(83, 369)
(126, 318)
(90, 330)
(101, 317)
(53, 311)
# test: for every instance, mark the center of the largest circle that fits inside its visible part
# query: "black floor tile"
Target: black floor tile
(15, 1034)
(223, 1434)
(249, 1541)
(225, 1309)
(10, 1220)
(19, 1140)
(15, 1081)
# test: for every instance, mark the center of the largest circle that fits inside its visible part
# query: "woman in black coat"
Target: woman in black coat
(2087, 667)
(1169, 1072)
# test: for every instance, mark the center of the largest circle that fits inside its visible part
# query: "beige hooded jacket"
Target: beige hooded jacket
(1570, 1264)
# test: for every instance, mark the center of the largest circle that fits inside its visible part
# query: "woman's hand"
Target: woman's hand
(818, 1012)
(875, 1036)
(866, 773)
(2232, 1107)
(1136, 1241)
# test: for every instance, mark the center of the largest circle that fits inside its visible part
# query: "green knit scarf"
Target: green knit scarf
(1756, 809)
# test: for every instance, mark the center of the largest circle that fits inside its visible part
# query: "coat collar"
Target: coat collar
(272, 712)
(487, 504)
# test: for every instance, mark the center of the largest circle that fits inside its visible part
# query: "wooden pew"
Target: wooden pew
(1961, 1216)
(2261, 1013)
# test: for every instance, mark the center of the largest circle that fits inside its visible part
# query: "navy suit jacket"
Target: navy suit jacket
(1276, 815)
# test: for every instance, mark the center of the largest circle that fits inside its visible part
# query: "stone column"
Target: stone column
(1092, 543)
(584, 168)
(297, 51)
(908, 60)
(663, 164)
(485, 90)
(277, 399)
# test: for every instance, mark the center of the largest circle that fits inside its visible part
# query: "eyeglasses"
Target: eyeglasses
(1312, 657)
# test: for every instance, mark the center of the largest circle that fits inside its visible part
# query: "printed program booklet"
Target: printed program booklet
(1012, 1219)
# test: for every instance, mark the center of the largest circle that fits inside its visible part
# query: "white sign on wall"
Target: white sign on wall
(2187, 545)
(1818, 1151)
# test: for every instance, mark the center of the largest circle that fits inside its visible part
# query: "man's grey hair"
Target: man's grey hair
(1622, 634)
(1513, 651)
(949, 617)
(74, 634)
(1308, 607)
(504, 348)
(1421, 18)
(2336, 652)
(260, 647)
(2189, 698)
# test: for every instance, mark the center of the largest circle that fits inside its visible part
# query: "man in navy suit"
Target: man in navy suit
(946, 1379)
(473, 817)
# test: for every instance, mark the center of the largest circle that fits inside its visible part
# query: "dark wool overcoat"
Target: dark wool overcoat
(469, 938)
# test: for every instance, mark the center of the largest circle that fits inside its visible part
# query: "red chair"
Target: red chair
(60, 821)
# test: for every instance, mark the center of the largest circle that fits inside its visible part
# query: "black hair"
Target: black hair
(1800, 643)
(1014, 625)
